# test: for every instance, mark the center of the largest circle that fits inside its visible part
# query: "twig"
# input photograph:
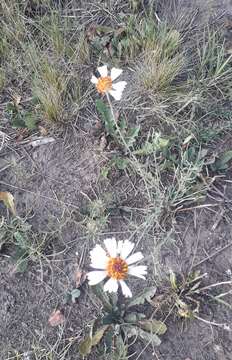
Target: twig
(214, 285)
(42, 196)
(223, 326)
(212, 255)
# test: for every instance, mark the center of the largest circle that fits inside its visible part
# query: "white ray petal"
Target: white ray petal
(115, 73)
(98, 258)
(94, 80)
(111, 246)
(96, 277)
(117, 95)
(111, 285)
(134, 258)
(119, 86)
(126, 249)
(103, 71)
(125, 289)
(138, 271)
(119, 248)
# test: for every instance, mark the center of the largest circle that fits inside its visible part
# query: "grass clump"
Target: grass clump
(49, 88)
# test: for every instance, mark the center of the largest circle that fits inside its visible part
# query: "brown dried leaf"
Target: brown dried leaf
(17, 99)
(80, 277)
(8, 200)
(103, 143)
(42, 130)
(56, 318)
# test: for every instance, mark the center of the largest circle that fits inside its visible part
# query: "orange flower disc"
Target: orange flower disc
(104, 84)
(117, 268)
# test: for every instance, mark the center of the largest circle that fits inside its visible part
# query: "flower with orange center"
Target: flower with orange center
(116, 264)
(105, 83)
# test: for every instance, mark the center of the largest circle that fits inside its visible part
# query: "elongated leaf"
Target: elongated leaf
(30, 121)
(222, 162)
(143, 335)
(132, 135)
(146, 294)
(149, 337)
(102, 296)
(8, 200)
(99, 335)
(20, 259)
(75, 293)
(154, 326)
(131, 318)
(106, 116)
(157, 144)
(21, 239)
(85, 346)
(120, 348)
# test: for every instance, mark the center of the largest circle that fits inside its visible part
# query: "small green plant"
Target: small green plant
(186, 294)
(222, 161)
(135, 36)
(21, 118)
(21, 244)
(119, 129)
(97, 216)
(16, 234)
(120, 322)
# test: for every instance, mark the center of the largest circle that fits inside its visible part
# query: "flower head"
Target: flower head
(115, 264)
(105, 83)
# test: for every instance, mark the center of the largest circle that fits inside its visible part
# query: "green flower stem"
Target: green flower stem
(136, 162)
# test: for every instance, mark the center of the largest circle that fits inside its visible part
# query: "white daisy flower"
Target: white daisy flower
(105, 84)
(116, 264)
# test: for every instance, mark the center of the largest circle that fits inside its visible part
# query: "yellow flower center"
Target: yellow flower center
(117, 268)
(104, 84)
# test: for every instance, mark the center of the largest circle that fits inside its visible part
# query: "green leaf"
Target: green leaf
(108, 339)
(157, 144)
(21, 240)
(146, 294)
(99, 335)
(120, 348)
(102, 296)
(30, 121)
(106, 116)
(105, 171)
(143, 335)
(134, 317)
(75, 293)
(149, 338)
(131, 136)
(21, 265)
(154, 326)
(121, 163)
(20, 258)
(223, 159)
(85, 346)
(17, 121)
(131, 318)
(11, 108)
